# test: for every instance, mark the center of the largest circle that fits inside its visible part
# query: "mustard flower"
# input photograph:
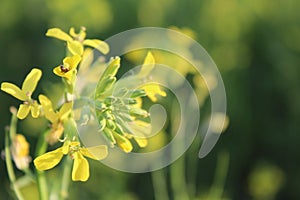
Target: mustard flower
(80, 171)
(76, 41)
(123, 143)
(20, 152)
(68, 68)
(24, 94)
(57, 118)
(152, 90)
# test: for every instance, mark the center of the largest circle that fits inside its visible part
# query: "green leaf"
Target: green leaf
(112, 67)
(104, 85)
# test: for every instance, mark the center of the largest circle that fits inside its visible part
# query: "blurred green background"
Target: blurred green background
(255, 44)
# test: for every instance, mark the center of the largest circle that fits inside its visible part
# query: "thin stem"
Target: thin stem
(67, 168)
(41, 179)
(159, 185)
(217, 188)
(178, 182)
(9, 166)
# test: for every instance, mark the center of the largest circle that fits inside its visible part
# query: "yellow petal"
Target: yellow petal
(152, 90)
(97, 152)
(59, 34)
(75, 47)
(97, 44)
(47, 107)
(87, 59)
(147, 66)
(78, 36)
(66, 147)
(58, 72)
(80, 171)
(123, 143)
(48, 160)
(142, 142)
(65, 110)
(31, 81)
(72, 32)
(14, 91)
(35, 110)
(23, 111)
(20, 146)
(72, 61)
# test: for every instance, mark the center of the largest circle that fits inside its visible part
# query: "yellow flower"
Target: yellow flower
(153, 89)
(24, 94)
(123, 143)
(68, 68)
(80, 171)
(76, 41)
(20, 152)
(56, 118)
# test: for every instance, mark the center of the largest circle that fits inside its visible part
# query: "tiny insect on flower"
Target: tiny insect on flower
(68, 67)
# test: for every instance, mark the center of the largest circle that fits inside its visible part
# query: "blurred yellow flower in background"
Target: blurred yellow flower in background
(20, 151)
(152, 90)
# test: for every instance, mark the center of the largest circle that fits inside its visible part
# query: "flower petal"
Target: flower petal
(147, 66)
(78, 36)
(75, 47)
(97, 152)
(123, 143)
(14, 90)
(152, 90)
(31, 80)
(142, 142)
(23, 111)
(35, 110)
(80, 171)
(97, 44)
(72, 61)
(47, 107)
(58, 72)
(48, 160)
(59, 34)
(65, 110)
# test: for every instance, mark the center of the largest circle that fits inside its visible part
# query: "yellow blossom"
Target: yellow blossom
(80, 171)
(123, 143)
(76, 41)
(20, 151)
(24, 94)
(68, 68)
(152, 90)
(57, 118)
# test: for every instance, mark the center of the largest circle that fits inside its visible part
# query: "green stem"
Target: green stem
(178, 182)
(217, 188)
(159, 185)
(41, 179)
(13, 123)
(9, 166)
(67, 168)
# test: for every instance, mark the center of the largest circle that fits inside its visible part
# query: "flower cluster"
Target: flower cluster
(119, 112)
